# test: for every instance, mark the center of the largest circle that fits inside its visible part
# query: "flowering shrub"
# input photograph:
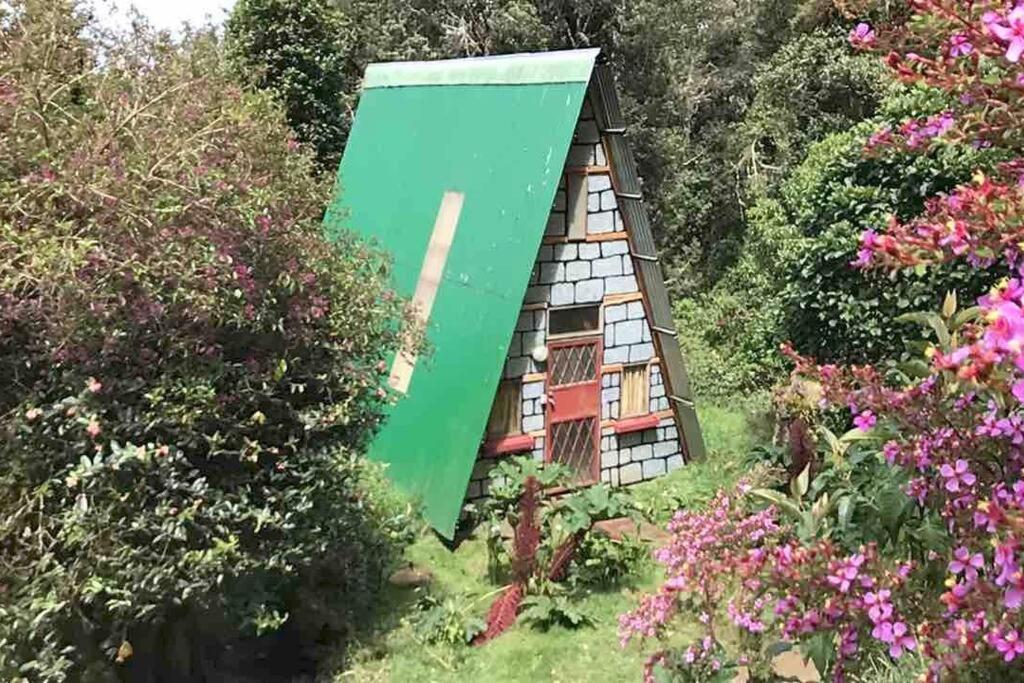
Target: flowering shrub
(186, 367)
(952, 422)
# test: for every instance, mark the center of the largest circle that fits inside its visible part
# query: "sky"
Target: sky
(164, 14)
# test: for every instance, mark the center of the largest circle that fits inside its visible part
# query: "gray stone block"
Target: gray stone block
(565, 252)
(533, 389)
(618, 222)
(559, 204)
(629, 332)
(605, 443)
(606, 476)
(629, 440)
(616, 379)
(610, 459)
(590, 250)
(546, 253)
(601, 222)
(638, 352)
(562, 294)
(515, 346)
(663, 449)
(650, 435)
(653, 468)
(533, 423)
(606, 381)
(577, 270)
(525, 321)
(586, 132)
(627, 265)
(536, 294)
(539, 319)
(599, 157)
(593, 202)
(647, 333)
(615, 477)
(609, 395)
(599, 182)
(552, 272)
(534, 274)
(657, 390)
(642, 452)
(607, 431)
(527, 408)
(634, 310)
(608, 202)
(614, 247)
(532, 340)
(671, 433)
(589, 290)
(606, 267)
(618, 354)
(606, 411)
(609, 335)
(517, 367)
(474, 490)
(631, 473)
(538, 456)
(614, 314)
(582, 155)
(615, 410)
(556, 224)
(674, 463)
(622, 285)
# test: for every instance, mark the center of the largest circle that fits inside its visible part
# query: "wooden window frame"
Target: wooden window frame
(575, 335)
(491, 433)
(645, 370)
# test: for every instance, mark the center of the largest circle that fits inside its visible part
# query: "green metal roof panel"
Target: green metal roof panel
(568, 66)
(503, 149)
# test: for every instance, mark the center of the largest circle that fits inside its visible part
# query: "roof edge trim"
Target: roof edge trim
(563, 66)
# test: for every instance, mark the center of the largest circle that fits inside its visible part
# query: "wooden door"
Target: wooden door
(574, 407)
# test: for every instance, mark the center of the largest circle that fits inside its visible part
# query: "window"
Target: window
(505, 417)
(634, 391)
(574, 320)
(576, 208)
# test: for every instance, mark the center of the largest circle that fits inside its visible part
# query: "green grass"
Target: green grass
(523, 653)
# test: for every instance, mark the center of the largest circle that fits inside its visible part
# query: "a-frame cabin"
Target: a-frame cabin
(510, 199)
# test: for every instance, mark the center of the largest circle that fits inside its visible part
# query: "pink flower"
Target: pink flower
(93, 429)
(901, 640)
(33, 414)
(959, 45)
(1011, 32)
(956, 475)
(865, 421)
(966, 564)
(862, 35)
(93, 385)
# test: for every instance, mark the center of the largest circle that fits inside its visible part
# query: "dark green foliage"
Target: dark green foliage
(831, 310)
(187, 369)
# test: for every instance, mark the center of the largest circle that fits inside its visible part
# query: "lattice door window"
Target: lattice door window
(573, 445)
(572, 364)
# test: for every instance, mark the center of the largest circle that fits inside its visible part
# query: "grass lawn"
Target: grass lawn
(525, 654)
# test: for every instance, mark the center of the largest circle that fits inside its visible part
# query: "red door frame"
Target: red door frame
(576, 401)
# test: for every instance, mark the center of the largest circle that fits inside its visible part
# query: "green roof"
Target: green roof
(573, 66)
(495, 132)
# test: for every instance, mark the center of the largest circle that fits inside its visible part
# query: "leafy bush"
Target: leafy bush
(187, 369)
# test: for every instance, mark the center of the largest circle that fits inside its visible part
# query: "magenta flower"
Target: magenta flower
(865, 421)
(901, 640)
(966, 564)
(1009, 645)
(1011, 32)
(862, 35)
(960, 45)
(957, 475)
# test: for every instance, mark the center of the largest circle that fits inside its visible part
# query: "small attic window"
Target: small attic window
(576, 206)
(634, 391)
(574, 320)
(506, 413)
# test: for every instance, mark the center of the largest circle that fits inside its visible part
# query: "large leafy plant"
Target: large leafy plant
(188, 371)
